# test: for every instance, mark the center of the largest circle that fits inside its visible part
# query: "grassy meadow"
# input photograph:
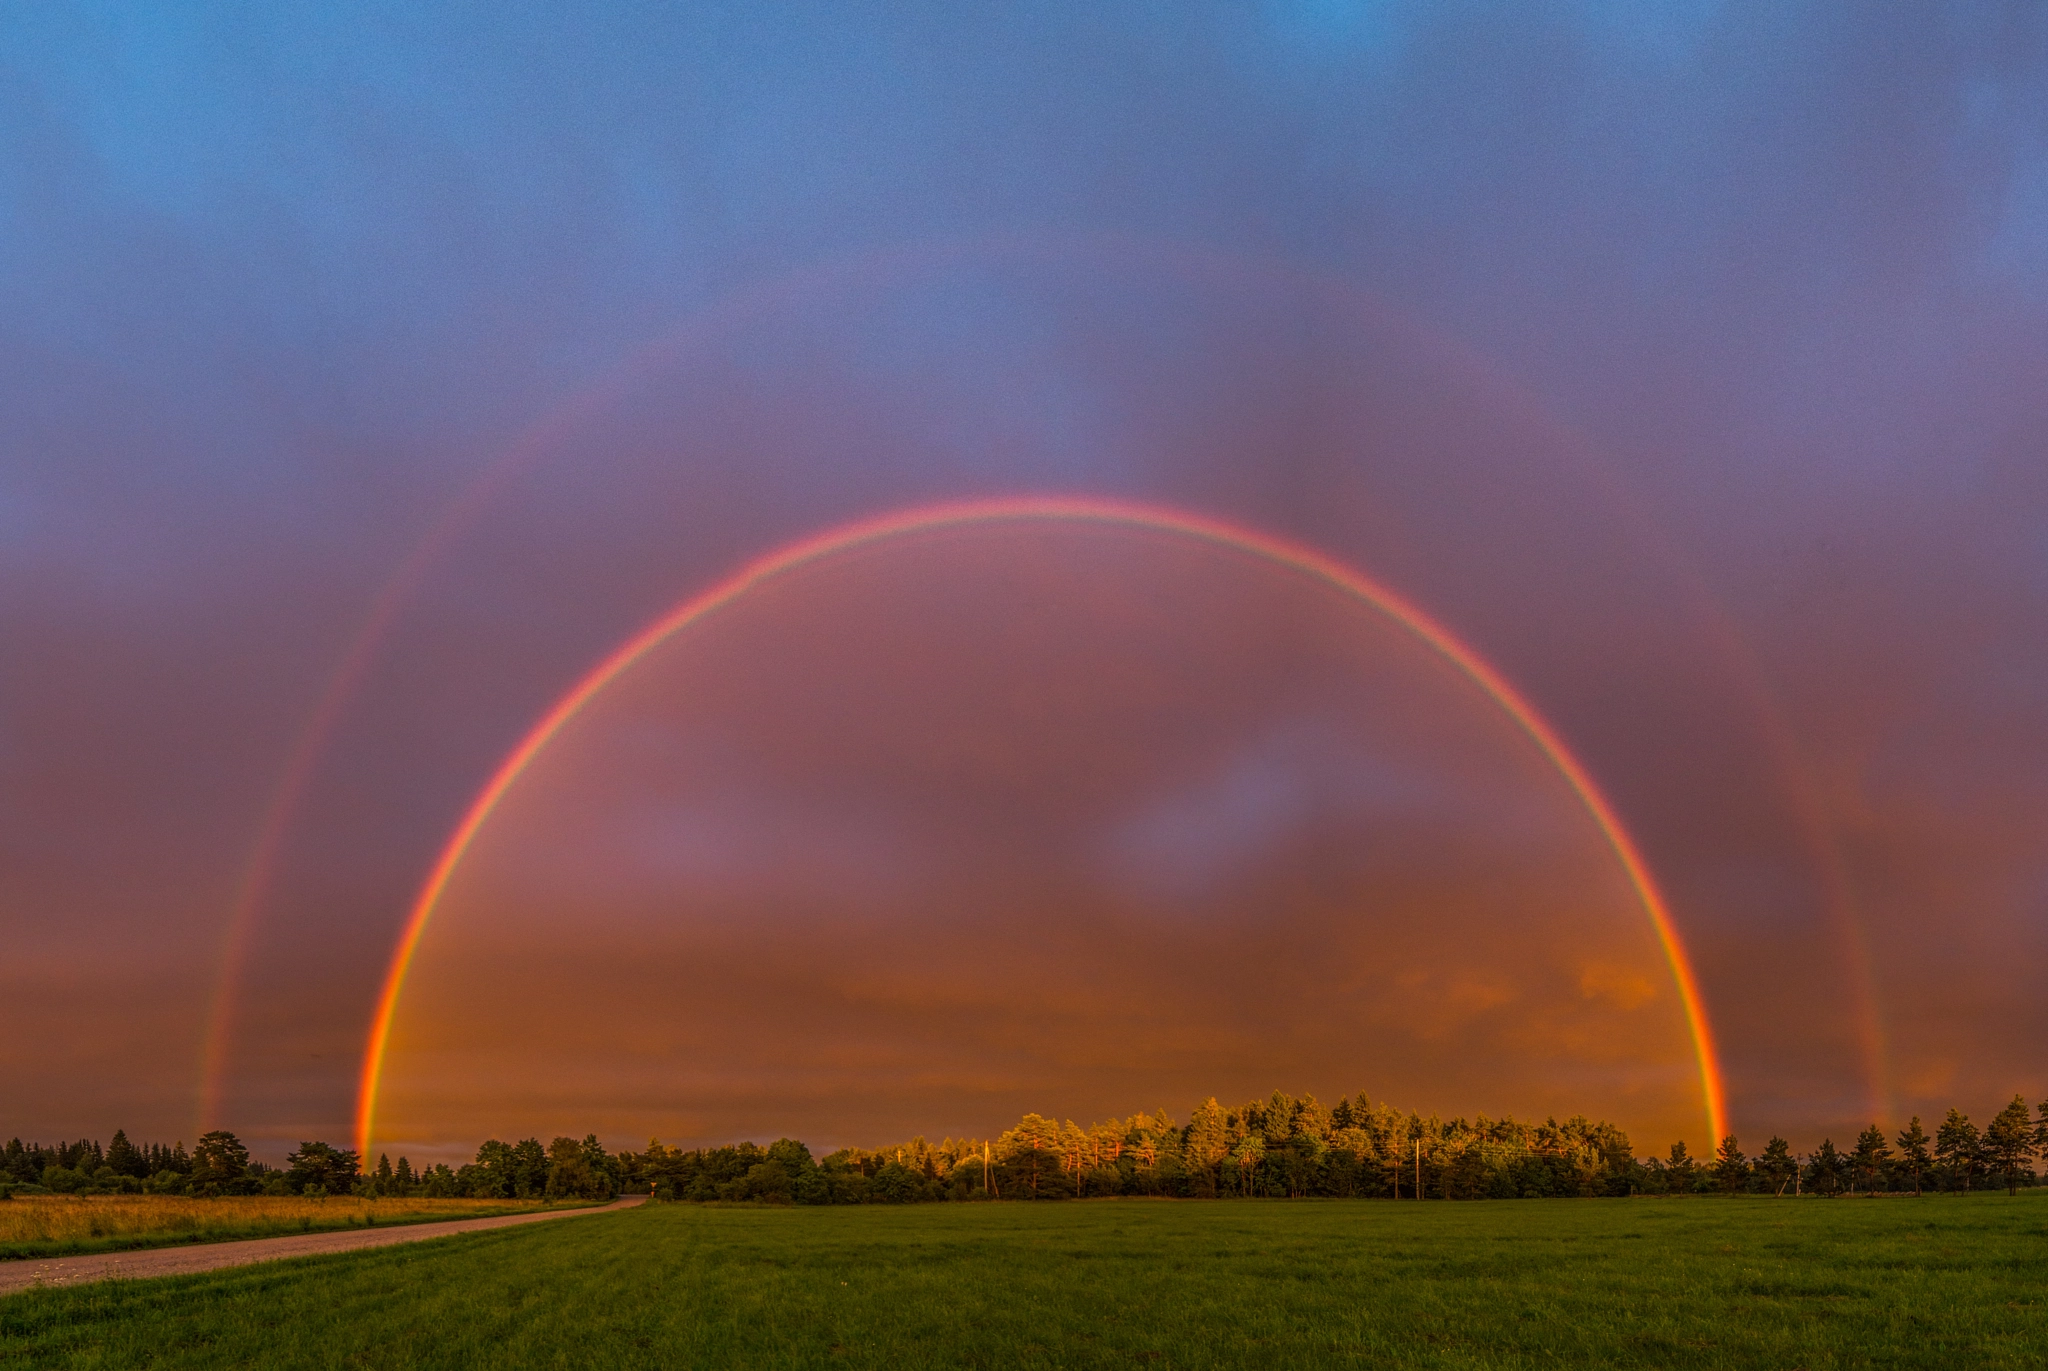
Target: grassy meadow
(67, 1225)
(1693, 1282)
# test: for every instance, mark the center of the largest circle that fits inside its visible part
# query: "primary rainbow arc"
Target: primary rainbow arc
(1153, 518)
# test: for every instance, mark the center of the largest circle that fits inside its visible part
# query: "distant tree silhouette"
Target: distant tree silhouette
(1824, 1169)
(220, 1165)
(124, 1158)
(1682, 1170)
(1913, 1153)
(319, 1169)
(1777, 1164)
(1868, 1162)
(1958, 1149)
(2009, 1145)
(1731, 1168)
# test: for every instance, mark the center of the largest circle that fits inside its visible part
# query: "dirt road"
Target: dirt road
(178, 1261)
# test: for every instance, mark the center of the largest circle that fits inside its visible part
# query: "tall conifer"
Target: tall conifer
(1868, 1161)
(1913, 1153)
(2009, 1144)
(1956, 1146)
(1731, 1168)
(1824, 1169)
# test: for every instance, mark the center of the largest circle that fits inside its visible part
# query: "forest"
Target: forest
(1278, 1147)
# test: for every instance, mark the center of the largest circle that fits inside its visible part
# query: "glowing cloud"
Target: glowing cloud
(1157, 519)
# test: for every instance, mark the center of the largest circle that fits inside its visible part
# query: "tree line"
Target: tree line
(1284, 1147)
(219, 1164)
(1280, 1146)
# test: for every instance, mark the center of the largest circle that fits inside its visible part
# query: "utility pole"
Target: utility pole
(1418, 1168)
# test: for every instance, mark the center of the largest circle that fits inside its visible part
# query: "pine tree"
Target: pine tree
(1682, 1169)
(1956, 1146)
(1777, 1164)
(2009, 1144)
(219, 1164)
(18, 1162)
(1824, 1169)
(1868, 1161)
(1913, 1152)
(1731, 1168)
(122, 1156)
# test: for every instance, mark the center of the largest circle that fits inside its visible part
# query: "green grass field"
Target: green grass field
(1697, 1282)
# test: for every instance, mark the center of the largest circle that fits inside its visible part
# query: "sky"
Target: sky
(369, 374)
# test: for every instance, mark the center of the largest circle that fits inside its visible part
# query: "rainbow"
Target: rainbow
(1084, 510)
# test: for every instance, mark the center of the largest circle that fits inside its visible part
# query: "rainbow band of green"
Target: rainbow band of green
(1115, 513)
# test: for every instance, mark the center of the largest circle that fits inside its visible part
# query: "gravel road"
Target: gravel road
(179, 1261)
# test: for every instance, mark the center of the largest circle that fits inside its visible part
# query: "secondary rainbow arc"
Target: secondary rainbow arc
(1090, 510)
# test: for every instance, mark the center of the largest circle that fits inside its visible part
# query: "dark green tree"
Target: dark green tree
(1868, 1163)
(791, 1155)
(570, 1174)
(1682, 1172)
(489, 1177)
(2009, 1145)
(529, 1169)
(318, 1169)
(220, 1164)
(19, 1163)
(124, 1158)
(1777, 1165)
(1824, 1169)
(1913, 1153)
(1958, 1148)
(606, 1167)
(1731, 1168)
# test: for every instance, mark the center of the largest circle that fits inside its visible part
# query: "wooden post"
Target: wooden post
(1418, 1168)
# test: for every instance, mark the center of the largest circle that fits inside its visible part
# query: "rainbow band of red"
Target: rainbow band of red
(1116, 513)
